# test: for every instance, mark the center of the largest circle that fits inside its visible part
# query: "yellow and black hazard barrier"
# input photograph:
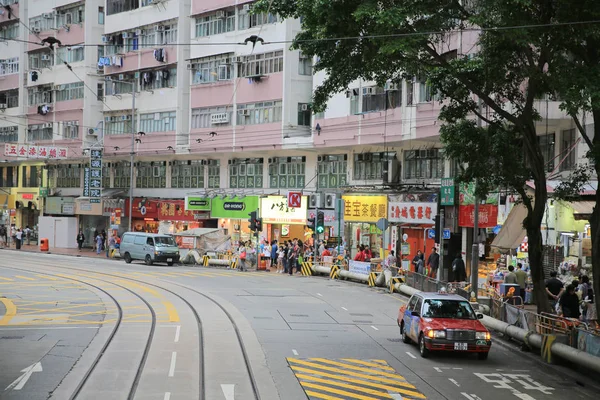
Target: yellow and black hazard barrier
(306, 268)
(233, 264)
(393, 282)
(335, 272)
(547, 342)
(205, 259)
(372, 279)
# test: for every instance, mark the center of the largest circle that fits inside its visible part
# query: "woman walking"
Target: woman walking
(80, 240)
(242, 257)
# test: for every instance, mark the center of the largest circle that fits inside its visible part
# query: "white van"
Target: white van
(150, 247)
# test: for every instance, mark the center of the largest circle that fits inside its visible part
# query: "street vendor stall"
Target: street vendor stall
(202, 241)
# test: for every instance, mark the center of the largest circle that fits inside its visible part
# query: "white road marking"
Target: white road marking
(167, 396)
(319, 294)
(228, 391)
(454, 381)
(177, 331)
(438, 369)
(411, 355)
(344, 308)
(523, 396)
(471, 396)
(456, 368)
(22, 380)
(173, 362)
(374, 327)
(295, 352)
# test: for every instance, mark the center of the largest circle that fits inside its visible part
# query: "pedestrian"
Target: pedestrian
(569, 303)
(417, 262)
(80, 239)
(2, 236)
(112, 242)
(242, 254)
(266, 255)
(390, 260)
(511, 277)
(360, 255)
(96, 233)
(274, 254)
(521, 280)
(280, 258)
(459, 271)
(368, 254)
(293, 257)
(433, 263)
(99, 240)
(103, 239)
(27, 234)
(13, 233)
(554, 289)
(18, 238)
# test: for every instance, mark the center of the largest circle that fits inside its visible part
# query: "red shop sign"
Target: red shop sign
(142, 208)
(27, 196)
(174, 210)
(488, 216)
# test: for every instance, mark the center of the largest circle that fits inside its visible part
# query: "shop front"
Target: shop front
(175, 217)
(27, 204)
(144, 214)
(232, 214)
(113, 210)
(415, 219)
(281, 222)
(90, 219)
(7, 204)
(361, 213)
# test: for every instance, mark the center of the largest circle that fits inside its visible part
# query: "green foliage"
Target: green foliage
(571, 188)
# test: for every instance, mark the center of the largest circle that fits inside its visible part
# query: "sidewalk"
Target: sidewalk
(65, 252)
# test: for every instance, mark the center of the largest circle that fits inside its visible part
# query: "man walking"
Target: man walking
(433, 263)
(521, 279)
(459, 271)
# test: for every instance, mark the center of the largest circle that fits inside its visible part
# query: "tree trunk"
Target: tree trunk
(595, 230)
(534, 241)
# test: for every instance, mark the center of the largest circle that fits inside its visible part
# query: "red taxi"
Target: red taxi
(443, 322)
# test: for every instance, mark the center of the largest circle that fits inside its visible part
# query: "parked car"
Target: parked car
(150, 247)
(443, 322)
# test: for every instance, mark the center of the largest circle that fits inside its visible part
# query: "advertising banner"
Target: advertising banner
(233, 207)
(275, 210)
(359, 267)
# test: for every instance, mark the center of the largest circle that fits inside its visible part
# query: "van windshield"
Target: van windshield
(164, 241)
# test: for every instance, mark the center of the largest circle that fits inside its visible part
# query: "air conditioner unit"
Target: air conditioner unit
(3, 106)
(48, 15)
(220, 14)
(47, 125)
(235, 59)
(107, 119)
(125, 35)
(159, 28)
(192, 66)
(125, 117)
(45, 57)
(139, 32)
(105, 38)
(219, 118)
(304, 107)
(315, 201)
(244, 112)
(330, 200)
(35, 29)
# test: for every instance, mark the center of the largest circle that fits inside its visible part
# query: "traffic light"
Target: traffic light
(252, 221)
(320, 222)
(258, 224)
(438, 228)
(310, 224)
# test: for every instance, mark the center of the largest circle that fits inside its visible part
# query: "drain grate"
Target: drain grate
(364, 321)
(299, 315)
(361, 315)
(12, 337)
(394, 340)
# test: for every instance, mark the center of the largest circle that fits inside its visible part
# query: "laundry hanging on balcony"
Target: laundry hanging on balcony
(160, 55)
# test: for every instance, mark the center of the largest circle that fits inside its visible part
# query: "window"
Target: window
(287, 172)
(214, 174)
(187, 174)
(106, 175)
(139, 240)
(31, 176)
(203, 117)
(9, 66)
(101, 15)
(158, 35)
(568, 150)
(70, 15)
(69, 176)
(9, 176)
(41, 59)
(304, 65)
(247, 20)
(9, 134)
(212, 69)
(259, 113)
(547, 148)
(425, 94)
(354, 99)
(10, 98)
(42, 23)
(410, 92)
(115, 86)
(117, 125)
(100, 91)
(246, 173)
(69, 91)
(369, 166)
(122, 171)
(379, 99)
(332, 171)
(158, 122)
(39, 132)
(39, 95)
(151, 175)
(119, 6)
(304, 114)
(158, 78)
(448, 309)
(70, 54)
(428, 164)
(150, 241)
(219, 22)
(261, 64)
(70, 129)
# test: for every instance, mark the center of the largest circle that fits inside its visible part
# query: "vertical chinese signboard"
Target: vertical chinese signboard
(447, 192)
(95, 181)
(364, 208)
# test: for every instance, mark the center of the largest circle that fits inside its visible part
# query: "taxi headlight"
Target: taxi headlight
(483, 336)
(433, 334)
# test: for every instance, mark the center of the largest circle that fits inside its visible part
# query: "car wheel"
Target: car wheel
(482, 356)
(148, 259)
(170, 264)
(403, 334)
(127, 258)
(422, 349)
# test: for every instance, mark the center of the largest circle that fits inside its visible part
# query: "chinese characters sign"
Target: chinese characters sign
(174, 210)
(94, 176)
(412, 212)
(275, 210)
(364, 208)
(488, 216)
(27, 151)
(447, 192)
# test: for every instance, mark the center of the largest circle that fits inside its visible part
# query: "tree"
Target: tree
(498, 79)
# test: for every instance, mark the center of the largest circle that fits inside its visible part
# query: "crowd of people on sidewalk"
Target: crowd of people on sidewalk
(575, 300)
(12, 235)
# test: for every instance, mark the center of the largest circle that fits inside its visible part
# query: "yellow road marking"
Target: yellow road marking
(173, 316)
(369, 364)
(24, 277)
(347, 395)
(7, 279)
(396, 298)
(344, 385)
(339, 364)
(11, 311)
(357, 381)
(46, 277)
(351, 373)
(322, 396)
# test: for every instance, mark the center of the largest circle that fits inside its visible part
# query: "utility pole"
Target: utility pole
(131, 156)
(475, 250)
(441, 264)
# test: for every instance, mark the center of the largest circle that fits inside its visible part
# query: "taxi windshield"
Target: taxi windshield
(164, 241)
(448, 309)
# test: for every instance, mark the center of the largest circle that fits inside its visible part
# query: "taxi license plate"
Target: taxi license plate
(461, 346)
(170, 259)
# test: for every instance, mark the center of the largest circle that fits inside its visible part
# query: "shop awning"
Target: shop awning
(582, 210)
(512, 233)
